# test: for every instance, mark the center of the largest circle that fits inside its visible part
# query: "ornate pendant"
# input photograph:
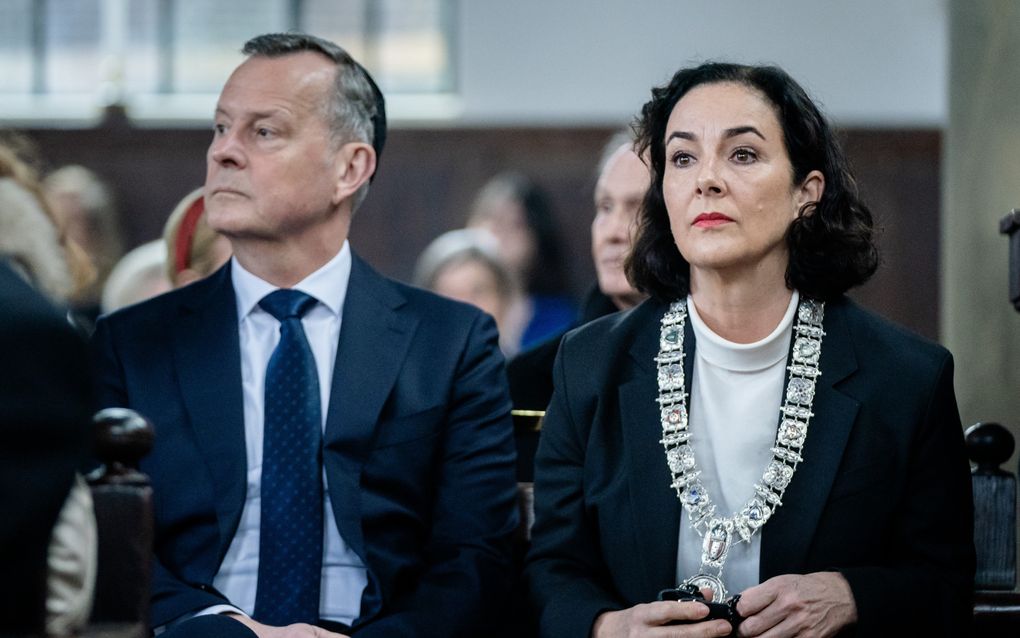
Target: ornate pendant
(703, 580)
(715, 544)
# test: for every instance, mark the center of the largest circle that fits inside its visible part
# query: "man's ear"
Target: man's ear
(356, 165)
(809, 191)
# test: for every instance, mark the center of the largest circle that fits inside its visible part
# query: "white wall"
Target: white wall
(870, 62)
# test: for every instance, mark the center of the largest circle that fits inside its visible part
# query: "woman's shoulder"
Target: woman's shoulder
(883, 339)
(604, 337)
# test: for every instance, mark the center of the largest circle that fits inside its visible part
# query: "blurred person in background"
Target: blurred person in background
(32, 236)
(139, 275)
(193, 249)
(45, 405)
(85, 208)
(622, 180)
(464, 265)
(518, 213)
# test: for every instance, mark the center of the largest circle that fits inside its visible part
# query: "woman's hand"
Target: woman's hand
(648, 620)
(813, 605)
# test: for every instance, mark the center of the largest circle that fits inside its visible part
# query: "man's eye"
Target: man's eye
(219, 129)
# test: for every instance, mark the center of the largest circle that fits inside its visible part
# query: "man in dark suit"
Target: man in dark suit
(374, 410)
(45, 406)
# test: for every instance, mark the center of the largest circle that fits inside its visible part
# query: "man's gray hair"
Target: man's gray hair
(612, 146)
(356, 111)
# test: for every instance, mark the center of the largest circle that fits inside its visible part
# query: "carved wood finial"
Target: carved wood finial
(989, 445)
(122, 438)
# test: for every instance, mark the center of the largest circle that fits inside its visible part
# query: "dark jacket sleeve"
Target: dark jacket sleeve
(926, 585)
(464, 584)
(45, 406)
(171, 597)
(567, 579)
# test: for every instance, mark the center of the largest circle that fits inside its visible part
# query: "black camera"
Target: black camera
(716, 611)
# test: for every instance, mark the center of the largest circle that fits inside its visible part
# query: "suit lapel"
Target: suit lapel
(374, 340)
(656, 510)
(787, 536)
(208, 364)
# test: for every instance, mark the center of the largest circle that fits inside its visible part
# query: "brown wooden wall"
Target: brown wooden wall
(428, 177)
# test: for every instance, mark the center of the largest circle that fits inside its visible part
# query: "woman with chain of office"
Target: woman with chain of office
(749, 431)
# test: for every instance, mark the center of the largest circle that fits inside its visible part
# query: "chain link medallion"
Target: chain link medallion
(719, 533)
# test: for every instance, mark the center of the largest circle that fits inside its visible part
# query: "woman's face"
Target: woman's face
(505, 218)
(728, 182)
(473, 282)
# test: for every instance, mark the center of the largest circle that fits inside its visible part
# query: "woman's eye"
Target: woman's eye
(744, 155)
(681, 159)
(219, 129)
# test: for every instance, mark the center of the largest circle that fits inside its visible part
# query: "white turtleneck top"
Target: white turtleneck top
(736, 392)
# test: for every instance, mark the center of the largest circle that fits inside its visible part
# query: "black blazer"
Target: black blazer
(417, 447)
(883, 495)
(530, 372)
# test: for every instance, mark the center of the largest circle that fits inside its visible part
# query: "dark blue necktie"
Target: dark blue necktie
(290, 544)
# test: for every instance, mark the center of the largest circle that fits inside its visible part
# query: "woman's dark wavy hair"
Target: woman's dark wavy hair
(830, 242)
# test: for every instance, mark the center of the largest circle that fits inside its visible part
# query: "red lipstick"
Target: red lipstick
(710, 220)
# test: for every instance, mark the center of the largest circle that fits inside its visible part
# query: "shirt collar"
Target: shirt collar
(743, 357)
(328, 284)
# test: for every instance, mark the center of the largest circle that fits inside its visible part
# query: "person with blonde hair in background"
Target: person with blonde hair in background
(32, 236)
(138, 276)
(464, 265)
(84, 206)
(193, 249)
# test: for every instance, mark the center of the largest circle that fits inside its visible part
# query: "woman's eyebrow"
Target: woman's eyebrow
(728, 133)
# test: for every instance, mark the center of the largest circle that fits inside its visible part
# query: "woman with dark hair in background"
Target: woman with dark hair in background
(676, 450)
(518, 214)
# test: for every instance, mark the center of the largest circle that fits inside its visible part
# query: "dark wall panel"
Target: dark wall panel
(898, 174)
(428, 178)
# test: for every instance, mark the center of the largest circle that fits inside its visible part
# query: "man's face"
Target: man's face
(272, 167)
(618, 196)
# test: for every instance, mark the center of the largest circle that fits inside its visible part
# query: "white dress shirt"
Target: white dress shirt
(343, 575)
(736, 392)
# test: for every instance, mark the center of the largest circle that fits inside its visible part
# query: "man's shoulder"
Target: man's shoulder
(165, 308)
(158, 308)
(407, 298)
